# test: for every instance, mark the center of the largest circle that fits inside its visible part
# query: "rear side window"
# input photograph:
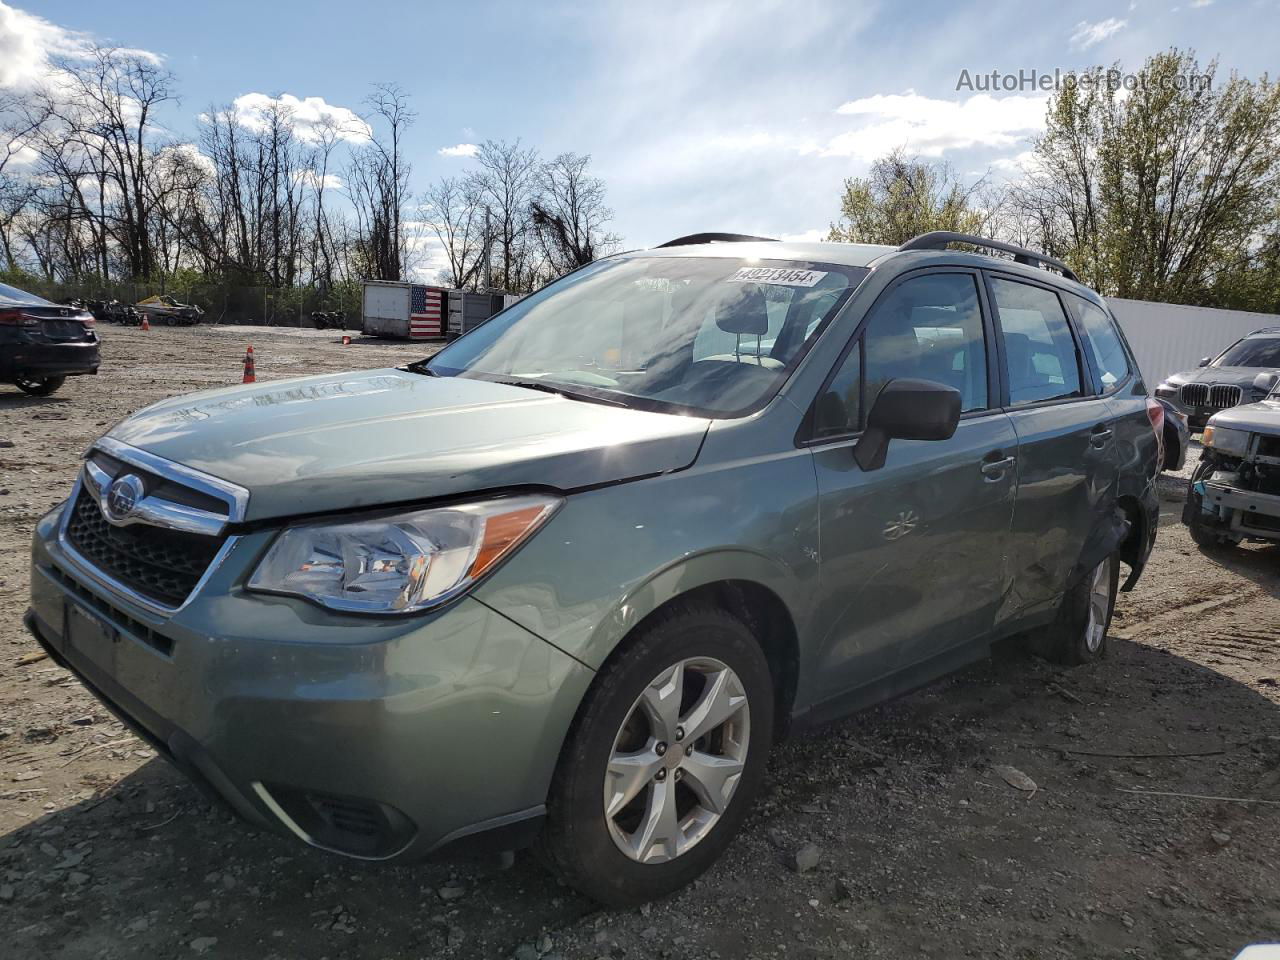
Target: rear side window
(928, 327)
(1102, 340)
(1040, 353)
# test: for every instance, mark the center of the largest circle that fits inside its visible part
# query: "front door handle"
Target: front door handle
(1100, 436)
(995, 469)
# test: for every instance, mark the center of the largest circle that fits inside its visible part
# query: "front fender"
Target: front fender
(612, 556)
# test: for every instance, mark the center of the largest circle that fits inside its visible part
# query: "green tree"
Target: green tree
(1159, 188)
(903, 196)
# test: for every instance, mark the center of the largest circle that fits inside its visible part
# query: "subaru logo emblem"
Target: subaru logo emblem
(122, 497)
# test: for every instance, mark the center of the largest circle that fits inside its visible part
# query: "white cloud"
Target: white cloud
(29, 44)
(461, 150)
(192, 154)
(426, 253)
(1088, 34)
(1018, 164)
(308, 114)
(930, 127)
(313, 179)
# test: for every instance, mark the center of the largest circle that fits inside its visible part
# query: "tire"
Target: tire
(39, 386)
(1079, 634)
(1206, 538)
(170, 321)
(622, 718)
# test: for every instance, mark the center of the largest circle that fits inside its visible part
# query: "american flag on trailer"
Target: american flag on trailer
(425, 305)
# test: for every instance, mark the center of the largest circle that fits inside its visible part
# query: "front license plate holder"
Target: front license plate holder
(90, 636)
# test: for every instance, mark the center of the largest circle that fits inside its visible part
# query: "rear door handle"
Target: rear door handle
(995, 469)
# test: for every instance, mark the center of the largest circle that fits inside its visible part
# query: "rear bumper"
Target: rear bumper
(377, 740)
(48, 359)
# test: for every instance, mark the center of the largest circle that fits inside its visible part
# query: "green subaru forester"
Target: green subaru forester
(567, 581)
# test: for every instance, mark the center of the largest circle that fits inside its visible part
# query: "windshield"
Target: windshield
(1252, 352)
(715, 336)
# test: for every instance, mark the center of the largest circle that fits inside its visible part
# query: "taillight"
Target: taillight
(1155, 413)
(16, 318)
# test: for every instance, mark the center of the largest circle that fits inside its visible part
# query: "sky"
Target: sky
(732, 115)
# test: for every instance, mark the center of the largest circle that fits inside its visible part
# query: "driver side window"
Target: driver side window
(927, 328)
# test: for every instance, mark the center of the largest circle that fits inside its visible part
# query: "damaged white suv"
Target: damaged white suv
(1234, 493)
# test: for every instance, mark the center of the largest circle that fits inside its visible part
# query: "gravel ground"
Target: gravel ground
(891, 834)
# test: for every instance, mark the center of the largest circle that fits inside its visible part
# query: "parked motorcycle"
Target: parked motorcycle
(329, 320)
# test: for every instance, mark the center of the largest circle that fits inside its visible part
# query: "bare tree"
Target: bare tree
(378, 185)
(453, 209)
(101, 107)
(506, 184)
(570, 215)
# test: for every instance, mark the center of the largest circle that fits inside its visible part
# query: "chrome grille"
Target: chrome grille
(1219, 396)
(148, 528)
(162, 565)
(1222, 395)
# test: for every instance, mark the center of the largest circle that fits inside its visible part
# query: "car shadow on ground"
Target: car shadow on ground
(1258, 562)
(12, 398)
(913, 825)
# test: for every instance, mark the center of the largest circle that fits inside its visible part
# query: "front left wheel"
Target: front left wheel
(664, 760)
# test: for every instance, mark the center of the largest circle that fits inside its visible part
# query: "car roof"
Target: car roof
(844, 254)
(874, 255)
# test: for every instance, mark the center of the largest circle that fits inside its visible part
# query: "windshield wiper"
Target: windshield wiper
(420, 366)
(561, 391)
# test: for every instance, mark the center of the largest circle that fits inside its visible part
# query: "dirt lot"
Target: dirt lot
(924, 850)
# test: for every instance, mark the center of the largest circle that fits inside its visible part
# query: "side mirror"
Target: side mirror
(1264, 383)
(1205, 361)
(907, 410)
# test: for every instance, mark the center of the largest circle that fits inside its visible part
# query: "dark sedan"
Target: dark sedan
(42, 343)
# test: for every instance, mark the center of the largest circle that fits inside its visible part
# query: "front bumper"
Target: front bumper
(48, 359)
(380, 739)
(1242, 513)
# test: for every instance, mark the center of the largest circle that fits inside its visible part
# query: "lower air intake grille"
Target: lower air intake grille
(162, 565)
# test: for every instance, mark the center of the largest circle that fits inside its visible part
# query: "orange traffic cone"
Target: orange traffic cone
(146, 324)
(249, 375)
(346, 341)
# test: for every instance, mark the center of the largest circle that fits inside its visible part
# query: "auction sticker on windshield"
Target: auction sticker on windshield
(781, 275)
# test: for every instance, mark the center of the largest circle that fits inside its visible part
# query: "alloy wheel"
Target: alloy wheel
(677, 760)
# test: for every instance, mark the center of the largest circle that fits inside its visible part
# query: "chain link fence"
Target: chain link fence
(221, 302)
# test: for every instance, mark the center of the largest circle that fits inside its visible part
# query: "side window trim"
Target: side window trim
(1082, 369)
(995, 400)
(1074, 302)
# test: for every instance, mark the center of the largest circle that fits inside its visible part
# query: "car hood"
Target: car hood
(379, 437)
(1236, 376)
(1260, 417)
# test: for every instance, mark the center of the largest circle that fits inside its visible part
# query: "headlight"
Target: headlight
(1231, 442)
(1168, 391)
(401, 563)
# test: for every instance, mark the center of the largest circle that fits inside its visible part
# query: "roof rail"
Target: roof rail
(712, 238)
(938, 240)
(1263, 330)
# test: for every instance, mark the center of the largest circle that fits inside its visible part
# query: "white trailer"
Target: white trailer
(409, 311)
(1169, 337)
